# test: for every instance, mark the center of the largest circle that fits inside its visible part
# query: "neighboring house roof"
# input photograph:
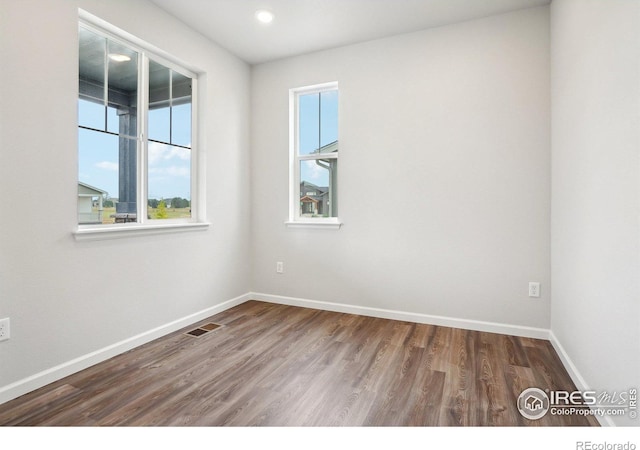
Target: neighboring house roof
(331, 147)
(308, 185)
(308, 198)
(85, 189)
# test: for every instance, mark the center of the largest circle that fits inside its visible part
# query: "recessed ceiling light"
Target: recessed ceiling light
(264, 16)
(119, 57)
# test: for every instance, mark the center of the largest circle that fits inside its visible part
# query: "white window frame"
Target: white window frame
(295, 217)
(145, 226)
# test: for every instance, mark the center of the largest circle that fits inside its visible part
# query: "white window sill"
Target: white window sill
(124, 231)
(329, 224)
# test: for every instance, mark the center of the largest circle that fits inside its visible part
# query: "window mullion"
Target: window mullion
(333, 155)
(106, 83)
(319, 120)
(198, 210)
(170, 106)
(298, 177)
(143, 140)
(296, 187)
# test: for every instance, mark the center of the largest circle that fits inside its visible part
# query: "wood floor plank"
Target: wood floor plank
(492, 399)
(276, 365)
(438, 349)
(35, 405)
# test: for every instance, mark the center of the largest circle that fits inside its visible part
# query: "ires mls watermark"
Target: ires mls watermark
(534, 403)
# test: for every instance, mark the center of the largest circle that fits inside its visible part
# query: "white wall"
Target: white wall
(444, 173)
(596, 189)
(67, 298)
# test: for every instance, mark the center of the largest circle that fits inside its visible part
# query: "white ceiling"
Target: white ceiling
(303, 26)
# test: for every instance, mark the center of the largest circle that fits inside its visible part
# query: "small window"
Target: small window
(135, 134)
(314, 154)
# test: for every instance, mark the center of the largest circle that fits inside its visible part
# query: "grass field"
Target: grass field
(172, 213)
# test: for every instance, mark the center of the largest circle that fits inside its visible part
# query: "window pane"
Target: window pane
(97, 176)
(181, 129)
(328, 118)
(123, 89)
(309, 123)
(113, 125)
(169, 182)
(169, 106)
(90, 114)
(103, 168)
(159, 102)
(318, 122)
(91, 49)
(107, 178)
(318, 188)
(159, 121)
(181, 110)
(95, 53)
(91, 63)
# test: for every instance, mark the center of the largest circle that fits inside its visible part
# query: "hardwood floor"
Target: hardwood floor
(275, 365)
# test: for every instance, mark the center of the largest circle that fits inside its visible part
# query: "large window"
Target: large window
(135, 134)
(314, 155)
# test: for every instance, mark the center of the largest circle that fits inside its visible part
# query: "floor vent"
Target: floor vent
(204, 329)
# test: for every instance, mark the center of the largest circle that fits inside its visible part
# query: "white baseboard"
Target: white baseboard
(578, 380)
(45, 377)
(475, 325)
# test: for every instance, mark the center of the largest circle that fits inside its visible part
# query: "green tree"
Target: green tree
(162, 210)
(153, 203)
(179, 202)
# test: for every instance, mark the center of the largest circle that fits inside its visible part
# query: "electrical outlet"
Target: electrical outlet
(279, 267)
(4, 329)
(534, 289)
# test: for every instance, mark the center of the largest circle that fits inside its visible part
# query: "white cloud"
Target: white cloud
(315, 171)
(162, 152)
(107, 165)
